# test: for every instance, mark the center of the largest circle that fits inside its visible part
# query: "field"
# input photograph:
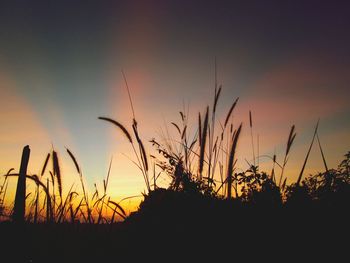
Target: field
(174, 131)
(210, 209)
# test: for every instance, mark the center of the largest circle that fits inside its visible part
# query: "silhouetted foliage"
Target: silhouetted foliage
(258, 189)
(327, 189)
(206, 203)
(181, 178)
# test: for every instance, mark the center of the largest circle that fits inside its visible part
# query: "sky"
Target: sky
(61, 62)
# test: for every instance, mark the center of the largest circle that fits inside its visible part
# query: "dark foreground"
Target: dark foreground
(185, 230)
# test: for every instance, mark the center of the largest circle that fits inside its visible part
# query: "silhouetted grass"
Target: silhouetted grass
(208, 200)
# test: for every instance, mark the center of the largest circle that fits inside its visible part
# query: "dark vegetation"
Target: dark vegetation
(210, 209)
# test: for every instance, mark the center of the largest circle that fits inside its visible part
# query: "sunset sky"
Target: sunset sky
(61, 62)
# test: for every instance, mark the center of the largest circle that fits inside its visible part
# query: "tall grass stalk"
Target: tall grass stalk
(231, 162)
(322, 154)
(251, 135)
(202, 144)
(142, 161)
(307, 155)
(290, 141)
(86, 198)
(212, 150)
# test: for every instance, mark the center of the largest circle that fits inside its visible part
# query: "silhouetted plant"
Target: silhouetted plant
(201, 166)
(181, 178)
(206, 162)
(297, 196)
(258, 189)
(330, 188)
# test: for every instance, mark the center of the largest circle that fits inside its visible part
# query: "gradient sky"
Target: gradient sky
(61, 61)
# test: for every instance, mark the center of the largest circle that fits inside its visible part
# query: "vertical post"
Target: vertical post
(19, 208)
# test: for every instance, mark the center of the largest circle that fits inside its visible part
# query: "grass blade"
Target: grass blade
(203, 142)
(307, 155)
